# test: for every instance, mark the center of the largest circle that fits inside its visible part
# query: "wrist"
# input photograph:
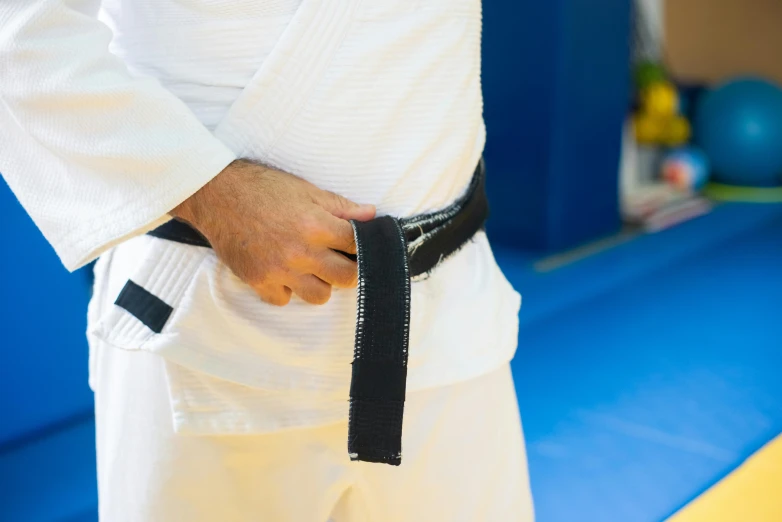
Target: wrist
(190, 209)
(196, 209)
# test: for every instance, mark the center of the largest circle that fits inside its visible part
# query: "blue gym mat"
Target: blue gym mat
(648, 372)
(645, 373)
(51, 478)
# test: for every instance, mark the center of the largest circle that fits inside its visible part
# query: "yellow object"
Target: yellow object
(659, 121)
(660, 100)
(648, 130)
(677, 131)
(750, 494)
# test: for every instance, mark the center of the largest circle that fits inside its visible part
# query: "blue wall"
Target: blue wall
(556, 83)
(43, 319)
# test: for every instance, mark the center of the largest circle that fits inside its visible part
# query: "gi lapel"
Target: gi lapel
(266, 107)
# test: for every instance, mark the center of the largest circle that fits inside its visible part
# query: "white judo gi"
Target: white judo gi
(114, 112)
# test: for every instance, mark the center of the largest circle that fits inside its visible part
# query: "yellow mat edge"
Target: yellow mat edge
(750, 493)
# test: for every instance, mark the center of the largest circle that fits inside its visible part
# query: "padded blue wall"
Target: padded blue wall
(556, 82)
(43, 318)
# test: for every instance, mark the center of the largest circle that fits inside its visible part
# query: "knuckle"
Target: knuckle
(275, 298)
(294, 253)
(278, 274)
(310, 226)
(318, 266)
(317, 295)
(344, 275)
(350, 277)
(257, 279)
(338, 200)
(267, 276)
(349, 242)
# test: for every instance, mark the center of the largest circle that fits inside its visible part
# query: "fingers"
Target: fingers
(332, 232)
(276, 295)
(336, 270)
(311, 289)
(343, 208)
(327, 270)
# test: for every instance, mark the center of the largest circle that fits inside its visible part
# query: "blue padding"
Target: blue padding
(647, 373)
(43, 318)
(91, 515)
(546, 293)
(556, 93)
(51, 479)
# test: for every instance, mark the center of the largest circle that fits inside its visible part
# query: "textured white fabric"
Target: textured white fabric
(377, 100)
(463, 462)
(243, 366)
(93, 153)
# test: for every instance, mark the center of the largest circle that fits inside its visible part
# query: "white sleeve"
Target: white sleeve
(94, 154)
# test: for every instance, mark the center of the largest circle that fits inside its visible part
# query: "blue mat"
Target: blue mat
(52, 478)
(648, 372)
(43, 355)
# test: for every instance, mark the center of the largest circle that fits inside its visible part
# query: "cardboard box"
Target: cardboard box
(707, 41)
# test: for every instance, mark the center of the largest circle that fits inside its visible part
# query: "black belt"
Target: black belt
(389, 252)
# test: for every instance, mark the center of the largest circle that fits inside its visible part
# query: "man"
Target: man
(276, 132)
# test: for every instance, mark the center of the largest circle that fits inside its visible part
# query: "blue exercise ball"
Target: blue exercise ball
(739, 126)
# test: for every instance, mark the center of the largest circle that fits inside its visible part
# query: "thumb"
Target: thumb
(343, 208)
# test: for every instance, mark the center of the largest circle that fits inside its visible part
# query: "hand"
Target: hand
(277, 232)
